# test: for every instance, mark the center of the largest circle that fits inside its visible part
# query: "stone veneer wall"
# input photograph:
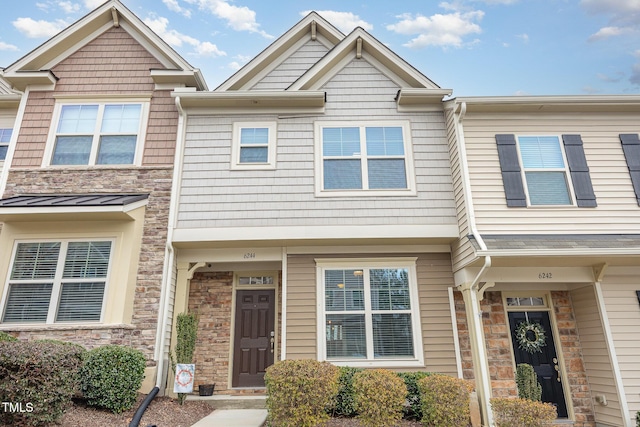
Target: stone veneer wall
(156, 181)
(498, 342)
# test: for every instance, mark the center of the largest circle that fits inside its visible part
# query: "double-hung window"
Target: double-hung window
(369, 314)
(57, 281)
(5, 138)
(545, 170)
(372, 158)
(98, 134)
(254, 145)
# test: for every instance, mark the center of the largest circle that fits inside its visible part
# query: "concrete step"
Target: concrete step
(227, 401)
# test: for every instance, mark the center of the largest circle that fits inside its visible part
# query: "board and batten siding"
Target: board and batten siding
(619, 288)
(434, 278)
(617, 210)
(212, 195)
(595, 355)
(285, 73)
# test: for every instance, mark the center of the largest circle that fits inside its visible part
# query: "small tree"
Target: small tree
(186, 331)
(527, 380)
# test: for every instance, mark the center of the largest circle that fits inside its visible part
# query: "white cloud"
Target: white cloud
(498, 1)
(239, 18)
(69, 7)
(344, 21)
(635, 70)
(36, 29)
(7, 46)
(92, 4)
(524, 37)
(174, 6)
(234, 65)
(624, 17)
(440, 29)
(160, 26)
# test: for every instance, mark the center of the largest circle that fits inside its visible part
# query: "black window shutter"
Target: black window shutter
(631, 148)
(510, 167)
(582, 187)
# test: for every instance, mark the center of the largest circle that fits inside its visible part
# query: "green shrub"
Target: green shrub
(380, 395)
(638, 419)
(508, 412)
(300, 392)
(413, 407)
(445, 401)
(186, 332)
(345, 405)
(111, 377)
(7, 337)
(527, 382)
(41, 377)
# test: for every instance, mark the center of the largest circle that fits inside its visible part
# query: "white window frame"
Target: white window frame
(101, 102)
(365, 191)
(57, 281)
(323, 264)
(565, 170)
(271, 146)
(5, 144)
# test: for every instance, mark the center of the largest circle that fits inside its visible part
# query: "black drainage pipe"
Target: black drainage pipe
(143, 407)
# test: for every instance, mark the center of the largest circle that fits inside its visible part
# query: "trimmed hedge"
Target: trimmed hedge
(111, 377)
(445, 401)
(345, 405)
(39, 379)
(508, 412)
(300, 392)
(413, 407)
(380, 396)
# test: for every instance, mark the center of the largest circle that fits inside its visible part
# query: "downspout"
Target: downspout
(473, 290)
(169, 254)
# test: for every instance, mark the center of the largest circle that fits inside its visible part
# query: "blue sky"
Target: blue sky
(475, 47)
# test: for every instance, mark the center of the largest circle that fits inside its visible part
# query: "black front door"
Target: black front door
(254, 328)
(545, 363)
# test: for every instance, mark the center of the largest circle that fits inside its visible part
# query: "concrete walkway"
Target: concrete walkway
(234, 418)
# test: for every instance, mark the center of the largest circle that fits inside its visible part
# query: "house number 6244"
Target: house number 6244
(249, 255)
(546, 275)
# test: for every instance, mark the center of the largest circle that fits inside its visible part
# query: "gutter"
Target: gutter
(169, 256)
(474, 314)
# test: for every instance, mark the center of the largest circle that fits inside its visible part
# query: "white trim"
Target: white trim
(448, 232)
(236, 146)
(4, 175)
(454, 324)
(366, 264)
(283, 317)
(101, 102)
(405, 125)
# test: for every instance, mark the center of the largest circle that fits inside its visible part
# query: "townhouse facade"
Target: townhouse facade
(86, 184)
(324, 202)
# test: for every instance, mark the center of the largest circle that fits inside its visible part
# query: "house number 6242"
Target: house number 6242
(546, 275)
(249, 255)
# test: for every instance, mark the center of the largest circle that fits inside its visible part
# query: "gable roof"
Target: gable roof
(34, 67)
(311, 27)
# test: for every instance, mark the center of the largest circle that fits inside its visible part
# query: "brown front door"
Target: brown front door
(254, 328)
(545, 362)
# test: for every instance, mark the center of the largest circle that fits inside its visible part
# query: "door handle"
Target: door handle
(273, 341)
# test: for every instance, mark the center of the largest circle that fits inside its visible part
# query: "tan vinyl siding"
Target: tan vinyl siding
(434, 277)
(212, 195)
(596, 356)
(461, 251)
(113, 63)
(619, 292)
(603, 151)
(292, 67)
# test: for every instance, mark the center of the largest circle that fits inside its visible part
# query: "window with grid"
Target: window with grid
(254, 145)
(97, 134)
(5, 138)
(62, 281)
(370, 314)
(364, 158)
(545, 170)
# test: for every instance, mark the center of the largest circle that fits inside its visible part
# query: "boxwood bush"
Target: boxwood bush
(508, 412)
(445, 401)
(111, 377)
(380, 396)
(413, 407)
(39, 379)
(345, 405)
(300, 392)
